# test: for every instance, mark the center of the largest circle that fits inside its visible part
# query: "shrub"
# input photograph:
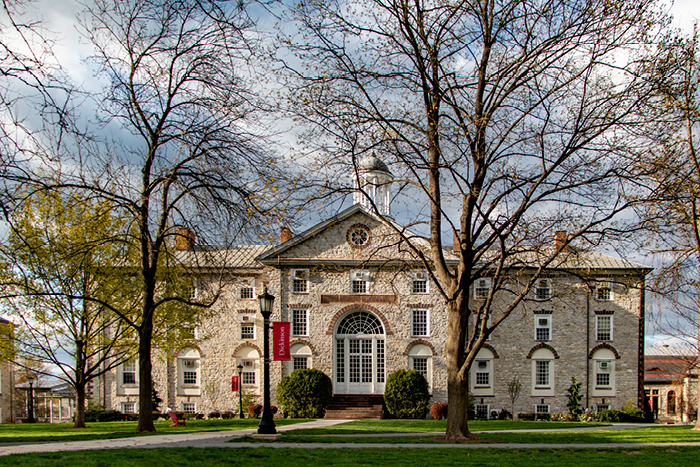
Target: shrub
(438, 411)
(97, 413)
(609, 416)
(254, 410)
(543, 416)
(406, 394)
(305, 393)
(214, 415)
(568, 417)
(631, 413)
(505, 415)
(527, 416)
(227, 415)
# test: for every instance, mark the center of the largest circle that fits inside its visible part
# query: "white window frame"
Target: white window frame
(422, 352)
(600, 407)
(541, 406)
(606, 289)
(544, 285)
(420, 277)
(360, 277)
(603, 368)
(415, 323)
(250, 366)
(476, 410)
(477, 325)
(128, 407)
(540, 326)
(299, 351)
(299, 277)
(247, 320)
(482, 287)
(194, 290)
(125, 371)
(247, 285)
(547, 366)
(482, 367)
(598, 319)
(186, 407)
(296, 313)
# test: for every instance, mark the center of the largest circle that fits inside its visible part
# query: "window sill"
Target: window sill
(300, 293)
(482, 387)
(420, 335)
(541, 388)
(129, 386)
(603, 388)
(189, 386)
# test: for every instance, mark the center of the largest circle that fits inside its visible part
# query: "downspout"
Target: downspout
(588, 345)
(640, 352)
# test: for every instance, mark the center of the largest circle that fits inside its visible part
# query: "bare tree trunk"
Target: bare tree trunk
(696, 367)
(145, 379)
(457, 381)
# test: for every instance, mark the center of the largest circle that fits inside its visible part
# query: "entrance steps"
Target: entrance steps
(355, 406)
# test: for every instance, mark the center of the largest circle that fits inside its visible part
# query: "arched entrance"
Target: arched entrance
(359, 355)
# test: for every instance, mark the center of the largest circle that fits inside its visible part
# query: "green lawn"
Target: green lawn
(434, 426)
(657, 434)
(38, 432)
(265, 457)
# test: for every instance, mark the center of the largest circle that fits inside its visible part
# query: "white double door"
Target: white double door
(359, 365)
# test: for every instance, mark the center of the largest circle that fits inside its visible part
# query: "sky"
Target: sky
(71, 50)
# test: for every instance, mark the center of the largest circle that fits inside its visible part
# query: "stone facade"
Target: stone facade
(348, 286)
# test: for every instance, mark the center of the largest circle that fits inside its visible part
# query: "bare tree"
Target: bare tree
(182, 150)
(508, 119)
(673, 222)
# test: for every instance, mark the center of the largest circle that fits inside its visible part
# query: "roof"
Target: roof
(372, 163)
(667, 365)
(235, 256)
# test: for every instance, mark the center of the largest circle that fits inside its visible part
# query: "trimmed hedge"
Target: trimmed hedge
(407, 394)
(305, 393)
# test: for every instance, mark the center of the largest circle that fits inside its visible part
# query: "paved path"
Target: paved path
(221, 439)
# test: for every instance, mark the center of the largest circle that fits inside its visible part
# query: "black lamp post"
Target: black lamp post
(30, 403)
(267, 424)
(240, 392)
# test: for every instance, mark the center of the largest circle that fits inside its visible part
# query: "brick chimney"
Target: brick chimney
(285, 234)
(184, 239)
(560, 239)
(455, 240)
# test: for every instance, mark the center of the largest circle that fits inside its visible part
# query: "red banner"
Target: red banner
(234, 383)
(280, 340)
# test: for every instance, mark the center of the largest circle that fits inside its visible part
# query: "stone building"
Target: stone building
(361, 306)
(671, 383)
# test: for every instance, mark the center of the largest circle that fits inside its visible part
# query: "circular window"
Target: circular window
(358, 235)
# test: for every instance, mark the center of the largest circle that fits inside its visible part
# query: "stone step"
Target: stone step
(355, 406)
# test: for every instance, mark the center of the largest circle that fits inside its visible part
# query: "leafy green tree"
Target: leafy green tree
(574, 397)
(406, 394)
(61, 279)
(305, 393)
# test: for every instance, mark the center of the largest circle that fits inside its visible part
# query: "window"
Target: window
(543, 328)
(483, 375)
(419, 323)
(543, 289)
(482, 411)
(247, 327)
(189, 407)
(420, 358)
(603, 328)
(542, 373)
(477, 326)
(604, 292)
(188, 372)
(300, 281)
(542, 408)
(193, 290)
(301, 357)
(602, 376)
(129, 372)
(300, 319)
(247, 291)
(359, 282)
(419, 282)
(671, 403)
(300, 363)
(128, 407)
(600, 407)
(248, 373)
(481, 288)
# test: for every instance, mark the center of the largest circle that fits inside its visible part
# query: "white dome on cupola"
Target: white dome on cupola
(373, 185)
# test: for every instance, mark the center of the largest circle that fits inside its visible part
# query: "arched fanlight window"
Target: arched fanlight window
(359, 323)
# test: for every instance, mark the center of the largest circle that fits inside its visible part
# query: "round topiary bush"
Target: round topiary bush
(406, 394)
(305, 393)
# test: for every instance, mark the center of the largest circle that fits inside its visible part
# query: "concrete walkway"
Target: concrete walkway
(221, 439)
